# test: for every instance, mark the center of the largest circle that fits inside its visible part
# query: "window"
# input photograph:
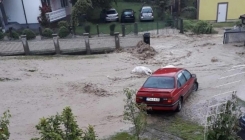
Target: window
(181, 79)
(187, 74)
(160, 82)
(64, 3)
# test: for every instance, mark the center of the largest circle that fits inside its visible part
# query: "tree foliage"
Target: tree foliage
(135, 113)
(163, 7)
(63, 127)
(225, 126)
(4, 123)
(80, 8)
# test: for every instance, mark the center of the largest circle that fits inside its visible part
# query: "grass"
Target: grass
(184, 129)
(121, 136)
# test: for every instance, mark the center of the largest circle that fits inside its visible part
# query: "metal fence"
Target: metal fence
(234, 36)
(130, 35)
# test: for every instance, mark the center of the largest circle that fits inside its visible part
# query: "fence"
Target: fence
(131, 35)
(234, 36)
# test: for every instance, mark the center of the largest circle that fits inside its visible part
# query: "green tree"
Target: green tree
(4, 123)
(80, 7)
(63, 127)
(163, 7)
(225, 126)
(135, 113)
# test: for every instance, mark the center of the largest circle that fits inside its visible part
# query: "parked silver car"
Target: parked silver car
(109, 15)
(146, 13)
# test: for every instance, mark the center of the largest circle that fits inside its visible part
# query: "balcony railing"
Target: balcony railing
(56, 15)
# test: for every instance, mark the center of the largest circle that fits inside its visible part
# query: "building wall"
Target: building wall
(15, 13)
(56, 4)
(208, 9)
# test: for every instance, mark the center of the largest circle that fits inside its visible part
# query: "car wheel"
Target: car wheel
(179, 107)
(195, 86)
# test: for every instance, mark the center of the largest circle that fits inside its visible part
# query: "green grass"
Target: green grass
(184, 129)
(225, 24)
(121, 136)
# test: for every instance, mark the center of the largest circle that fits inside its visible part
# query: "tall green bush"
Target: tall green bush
(112, 29)
(4, 124)
(63, 32)
(29, 34)
(202, 27)
(63, 24)
(14, 35)
(47, 32)
(1, 35)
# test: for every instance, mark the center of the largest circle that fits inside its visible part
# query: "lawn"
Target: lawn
(104, 27)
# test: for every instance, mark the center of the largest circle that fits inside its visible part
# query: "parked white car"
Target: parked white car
(146, 14)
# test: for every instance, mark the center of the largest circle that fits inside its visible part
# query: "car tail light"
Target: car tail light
(138, 99)
(170, 100)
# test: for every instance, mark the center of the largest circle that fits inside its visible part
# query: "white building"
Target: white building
(23, 13)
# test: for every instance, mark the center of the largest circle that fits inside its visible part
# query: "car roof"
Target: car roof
(111, 9)
(167, 71)
(145, 7)
(127, 10)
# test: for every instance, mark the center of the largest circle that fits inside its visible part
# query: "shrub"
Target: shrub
(225, 125)
(63, 127)
(112, 29)
(189, 12)
(63, 24)
(1, 35)
(63, 32)
(4, 123)
(29, 34)
(42, 19)
(202, 27)
(14, 35)
(188, 25)
(47, 32)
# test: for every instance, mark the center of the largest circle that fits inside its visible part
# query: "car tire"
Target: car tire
(195, 87)
(179, 107)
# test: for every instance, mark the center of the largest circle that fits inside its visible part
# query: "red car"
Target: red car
(167, 88)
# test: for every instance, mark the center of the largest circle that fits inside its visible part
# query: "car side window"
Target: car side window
(178, 83)
(181, 79)
(187, 74)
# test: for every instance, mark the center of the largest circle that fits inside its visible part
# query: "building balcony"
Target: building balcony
(56, 15)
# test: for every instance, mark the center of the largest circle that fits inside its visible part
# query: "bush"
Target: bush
(4, 124)
(14, 35)
(188, 25)
(202, 27)
(63, 24)
(1, 35)
(63, 127)
(47, 32)
(29, 34)
(63, 32)
(112, 29)
(189, 12)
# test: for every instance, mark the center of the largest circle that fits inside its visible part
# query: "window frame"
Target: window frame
(64, 3)
(185, 75)
(178, 77)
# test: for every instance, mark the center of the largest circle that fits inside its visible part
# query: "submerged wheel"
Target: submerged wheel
(179, 107)
(195, 87)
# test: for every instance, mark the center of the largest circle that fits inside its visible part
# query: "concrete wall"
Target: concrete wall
(208, 9)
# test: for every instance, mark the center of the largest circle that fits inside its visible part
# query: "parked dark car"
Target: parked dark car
(109, 15)
(128, 15)
(167, 88)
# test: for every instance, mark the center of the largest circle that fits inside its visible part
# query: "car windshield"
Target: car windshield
(146, 10)
(127, 12)
(111, 12)
(160, 82)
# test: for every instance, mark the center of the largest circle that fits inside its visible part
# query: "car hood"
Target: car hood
(155, 90)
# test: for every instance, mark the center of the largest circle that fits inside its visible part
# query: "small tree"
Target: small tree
(63, 127)
(4, 123)
(80, 7)
(225, 125)
(135, 113)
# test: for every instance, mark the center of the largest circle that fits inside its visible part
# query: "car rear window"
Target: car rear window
(161, 82)
(147, 10)
(111, 12)
(127, 12)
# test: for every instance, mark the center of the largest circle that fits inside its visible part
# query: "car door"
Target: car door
(182, 85)
(190, 80)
